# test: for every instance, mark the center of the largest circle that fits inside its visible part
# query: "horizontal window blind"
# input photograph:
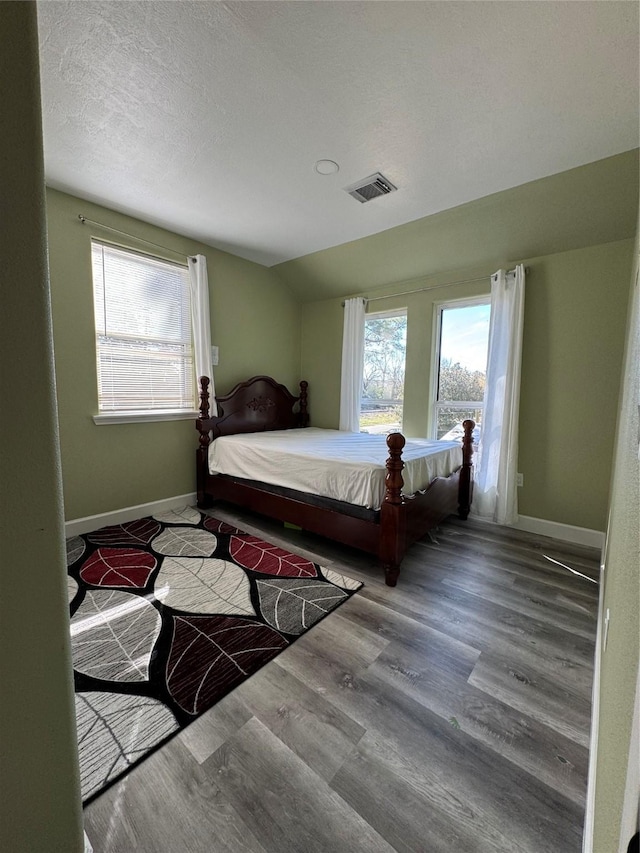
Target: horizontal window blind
(144, 348)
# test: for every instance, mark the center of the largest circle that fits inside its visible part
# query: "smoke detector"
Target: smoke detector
(370, 188)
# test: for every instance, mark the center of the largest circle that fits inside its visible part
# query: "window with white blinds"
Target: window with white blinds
(144, 349)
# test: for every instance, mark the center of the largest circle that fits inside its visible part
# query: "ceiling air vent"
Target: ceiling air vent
(370, 188)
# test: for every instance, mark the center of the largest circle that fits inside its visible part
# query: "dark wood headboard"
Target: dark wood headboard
(256, 405)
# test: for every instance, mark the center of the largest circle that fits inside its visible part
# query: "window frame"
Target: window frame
(141, 415)
(434, 403)
(381, 315)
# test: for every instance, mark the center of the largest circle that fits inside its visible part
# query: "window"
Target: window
(144, 351)
(462, 338)
(385, 341)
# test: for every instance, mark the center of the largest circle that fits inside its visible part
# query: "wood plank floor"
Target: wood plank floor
(448, 714)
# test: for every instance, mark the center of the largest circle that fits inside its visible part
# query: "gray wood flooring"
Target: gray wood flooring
(448, 714)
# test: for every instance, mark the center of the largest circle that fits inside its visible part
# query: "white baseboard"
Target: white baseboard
(565, 532)
(93, 522)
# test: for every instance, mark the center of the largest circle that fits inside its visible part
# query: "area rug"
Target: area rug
(168, 614)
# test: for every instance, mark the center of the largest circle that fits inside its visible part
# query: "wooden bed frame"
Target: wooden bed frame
(260, 404)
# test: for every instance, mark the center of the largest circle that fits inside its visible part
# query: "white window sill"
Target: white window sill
(144, 417)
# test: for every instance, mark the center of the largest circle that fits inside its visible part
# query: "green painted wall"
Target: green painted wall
(40, 808)
(575, 310)
(575, 319)
(621, 597)
(255, 321)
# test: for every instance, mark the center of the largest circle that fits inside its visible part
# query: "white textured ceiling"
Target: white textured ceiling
(207, 117)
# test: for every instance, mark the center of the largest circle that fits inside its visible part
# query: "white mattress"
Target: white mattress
(345, 466)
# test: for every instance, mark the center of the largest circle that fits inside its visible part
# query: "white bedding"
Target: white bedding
(345, 466)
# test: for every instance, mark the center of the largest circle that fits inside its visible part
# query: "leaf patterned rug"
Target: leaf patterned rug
(168, 614)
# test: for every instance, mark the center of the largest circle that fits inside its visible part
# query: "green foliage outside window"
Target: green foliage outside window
(458, 383)
(384, 350)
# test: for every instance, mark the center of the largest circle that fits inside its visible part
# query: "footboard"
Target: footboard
(465, 493)
(405, 519)
(393, 512)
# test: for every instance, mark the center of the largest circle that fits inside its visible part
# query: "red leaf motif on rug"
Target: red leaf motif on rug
(261, 556)
(139, 532)
(216, 526)
(211, 654)
(121, 567)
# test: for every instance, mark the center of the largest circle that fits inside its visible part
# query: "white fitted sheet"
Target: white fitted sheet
(334, 464)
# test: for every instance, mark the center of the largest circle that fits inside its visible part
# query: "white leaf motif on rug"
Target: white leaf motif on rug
(185, 542)
(292, 605)
(183, 515)
(75, 548)
(113, 634)
(72, 588)
(114, 731)
(204, 586)
(340, 580)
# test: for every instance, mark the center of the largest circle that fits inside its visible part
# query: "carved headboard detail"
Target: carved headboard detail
(256, 405)
(261, 404)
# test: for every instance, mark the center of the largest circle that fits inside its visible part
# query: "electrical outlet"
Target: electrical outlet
(214, 356)
(519, 479)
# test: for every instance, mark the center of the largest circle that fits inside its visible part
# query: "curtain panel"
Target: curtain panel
(495, 491)
(352, 364)
(201, 319)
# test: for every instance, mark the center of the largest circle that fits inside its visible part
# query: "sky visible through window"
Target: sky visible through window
(465, 336)
(462, 368)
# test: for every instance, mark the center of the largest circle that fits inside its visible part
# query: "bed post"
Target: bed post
(304, 412)
(465, 487)
(392, 512)
(202, 453)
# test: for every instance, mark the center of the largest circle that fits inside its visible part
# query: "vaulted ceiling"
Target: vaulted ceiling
(207, 117)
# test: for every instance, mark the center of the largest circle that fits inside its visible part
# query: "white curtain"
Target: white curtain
(200, 319)
(352, 364)
(495, 491)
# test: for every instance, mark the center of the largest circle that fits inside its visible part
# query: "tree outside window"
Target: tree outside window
(385, 340)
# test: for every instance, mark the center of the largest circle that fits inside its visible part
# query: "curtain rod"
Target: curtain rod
(434, 287)
(84, 219)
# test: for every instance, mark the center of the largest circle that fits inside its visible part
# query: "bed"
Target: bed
(384, 521)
